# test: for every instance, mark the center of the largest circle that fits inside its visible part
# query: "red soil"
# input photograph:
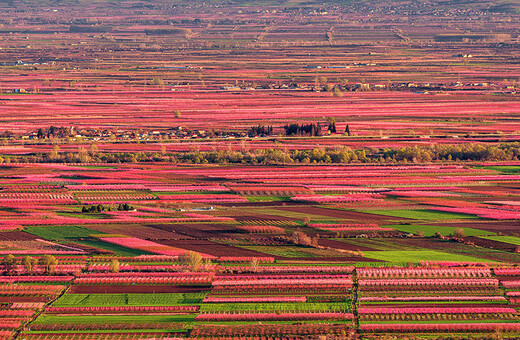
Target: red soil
(211, 248)
(342, 245)
(344, 214)
(16, 236)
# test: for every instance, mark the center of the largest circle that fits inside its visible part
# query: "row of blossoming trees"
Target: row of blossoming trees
(267, 299)
(444, 298)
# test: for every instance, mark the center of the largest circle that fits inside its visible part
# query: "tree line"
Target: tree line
(47, 262)
(98, 208)
(339, 154)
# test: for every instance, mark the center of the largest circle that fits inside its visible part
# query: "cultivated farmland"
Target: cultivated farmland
(259, 170)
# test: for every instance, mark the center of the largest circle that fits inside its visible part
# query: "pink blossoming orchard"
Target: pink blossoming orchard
(186, 262)
(259, 170)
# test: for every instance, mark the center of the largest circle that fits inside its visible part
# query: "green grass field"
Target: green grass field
(118, 250)
(61, 232)
(506, 239)
(79, 319)
(286, 251)
(85, 216)
(294, 251)
(379, 244)
(507, 169)
(431, 230)
(416, 256)
(95, 300)
(422, 214)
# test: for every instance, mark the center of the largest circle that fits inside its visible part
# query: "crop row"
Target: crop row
(428, 317)
(249, 279)
(99, 336)
(4, 335)
(510, 284)
(39, 278)
(440, 327)
(429, 282)
(431, 298)
(15, 313)
(262, 299)
(268, 307)
(10, 324)
(286, 288)
(272, 316)
(187, 275)
(435, 310)
(366, 273)
(123, 309)
(100, 326)
(245, 259)
(114, 281)
(301, 269)
(337, 199)
(27, 305)
(506, 272)
(274, 282)
(60, 269)
(284, 330)
(30, 289)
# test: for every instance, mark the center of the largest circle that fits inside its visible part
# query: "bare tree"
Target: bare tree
(459, 232)
(8, 262)
(49, 263)
(114, 266)
(254, 264)
(192, 259)
(29, 263)
(299, 237)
